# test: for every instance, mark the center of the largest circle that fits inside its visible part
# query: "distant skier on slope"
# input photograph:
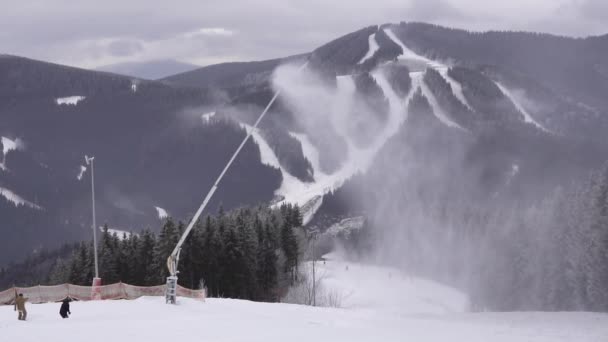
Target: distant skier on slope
(65, 308)
(20, 306)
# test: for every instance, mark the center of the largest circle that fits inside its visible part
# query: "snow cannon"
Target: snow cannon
(173, 260)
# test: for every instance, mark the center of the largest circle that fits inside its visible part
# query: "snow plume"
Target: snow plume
(83, 169)
(327, 115)
(162, 213)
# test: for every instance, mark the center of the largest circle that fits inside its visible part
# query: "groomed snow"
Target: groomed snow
(373, 47)
(16, 199)
(383, 306)
(162, 213)
(527, 117)
(70, 100)
(409, 56)
(307, 194)
(7, 146)
(439, 113)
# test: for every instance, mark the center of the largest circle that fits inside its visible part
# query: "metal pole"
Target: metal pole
(94, 221)
(314, 281)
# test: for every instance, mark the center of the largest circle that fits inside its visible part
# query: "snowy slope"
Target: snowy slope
(70, 100)
(383, 306)
(16, 199)
(373, 47)
(527, 117)
(386, 290)
(418, 65)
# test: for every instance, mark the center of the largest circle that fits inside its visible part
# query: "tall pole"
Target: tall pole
(92, 160)
(314, 281)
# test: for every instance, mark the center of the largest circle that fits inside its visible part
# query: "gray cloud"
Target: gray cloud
(91, 34)
(125, 47)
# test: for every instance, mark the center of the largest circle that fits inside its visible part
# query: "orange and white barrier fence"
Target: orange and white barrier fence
(45, 294)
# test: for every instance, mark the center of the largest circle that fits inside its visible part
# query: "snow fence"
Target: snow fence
(45, 294)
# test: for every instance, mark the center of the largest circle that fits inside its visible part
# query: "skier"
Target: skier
(20, 306)
(65, 308)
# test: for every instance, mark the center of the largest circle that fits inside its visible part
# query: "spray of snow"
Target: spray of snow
(346, 226)
(373, 47)
(83, 169)
(162, 213)
(70, 100)
(16, 199)
(207, 117)
(298, 88)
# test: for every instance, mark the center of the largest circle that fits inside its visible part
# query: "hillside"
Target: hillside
(467, 154)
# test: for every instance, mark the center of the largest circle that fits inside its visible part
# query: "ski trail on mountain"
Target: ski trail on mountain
(456, 88)
(16, 199)
(527, 117)
(373, 47)
(409, 55)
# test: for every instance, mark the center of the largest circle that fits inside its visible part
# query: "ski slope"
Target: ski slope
(527, 117)
(383, 305)
(373, 47)
(16, 199)
(69, 100)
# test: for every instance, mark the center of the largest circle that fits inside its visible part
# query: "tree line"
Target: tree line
(248, 253)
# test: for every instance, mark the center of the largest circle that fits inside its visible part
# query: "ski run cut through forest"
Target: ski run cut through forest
(377, 304)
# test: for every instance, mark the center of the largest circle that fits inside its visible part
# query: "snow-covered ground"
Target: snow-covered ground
(119, 232)
(7, 146)
(70, 100)
(16, 199)
(162, 213)
(373, 47)
(383, 306)
(527, 117)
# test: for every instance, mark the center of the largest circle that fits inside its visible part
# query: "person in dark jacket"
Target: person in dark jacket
(65, 308)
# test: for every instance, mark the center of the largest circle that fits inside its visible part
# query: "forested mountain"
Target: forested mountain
(462, 151)
(149, 70)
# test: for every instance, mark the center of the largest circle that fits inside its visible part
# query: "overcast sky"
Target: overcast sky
(94, 33)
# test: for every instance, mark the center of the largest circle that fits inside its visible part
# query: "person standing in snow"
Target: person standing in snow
(65, 308)
(20, 306)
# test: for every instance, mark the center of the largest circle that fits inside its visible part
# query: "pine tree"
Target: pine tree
(167, 240)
